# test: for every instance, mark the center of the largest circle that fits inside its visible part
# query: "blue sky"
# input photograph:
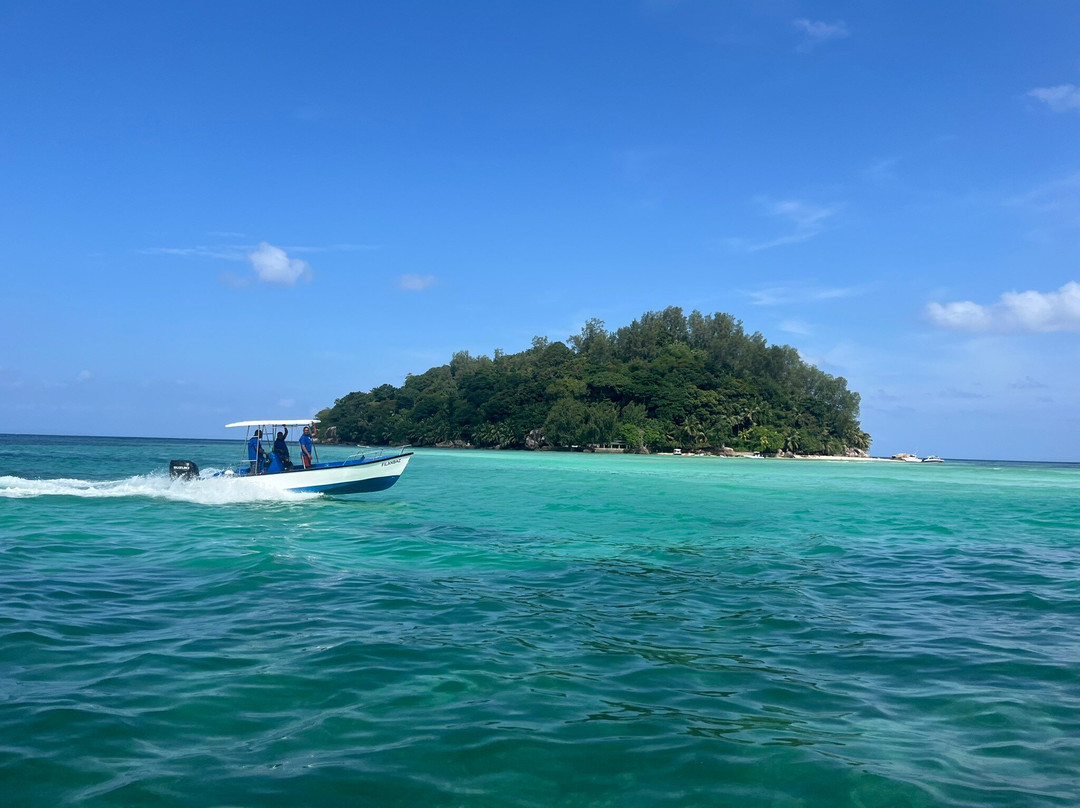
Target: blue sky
(212, 212)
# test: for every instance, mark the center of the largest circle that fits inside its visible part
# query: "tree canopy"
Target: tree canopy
(664, 381)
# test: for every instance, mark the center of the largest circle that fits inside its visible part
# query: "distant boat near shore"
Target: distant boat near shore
(906, 457)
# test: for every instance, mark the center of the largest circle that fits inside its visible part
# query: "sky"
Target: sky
(213, 212)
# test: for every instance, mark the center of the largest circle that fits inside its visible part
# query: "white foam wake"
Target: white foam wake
(206, 491)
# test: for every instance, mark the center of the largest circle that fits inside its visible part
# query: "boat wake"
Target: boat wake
(207, 491)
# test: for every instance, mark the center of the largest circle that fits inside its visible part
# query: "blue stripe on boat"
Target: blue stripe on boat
(355, 487)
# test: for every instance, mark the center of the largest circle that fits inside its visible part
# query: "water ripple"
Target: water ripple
(607, 638)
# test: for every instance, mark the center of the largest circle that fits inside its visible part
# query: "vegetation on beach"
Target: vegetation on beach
(664, 381)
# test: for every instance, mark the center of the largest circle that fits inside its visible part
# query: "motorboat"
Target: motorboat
(366, 471)
(905, 457)
(932, 459)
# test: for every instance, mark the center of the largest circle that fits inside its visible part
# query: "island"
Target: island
(667, 381)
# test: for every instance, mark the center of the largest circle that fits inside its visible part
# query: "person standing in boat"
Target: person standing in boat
(281, 449)
(256, 453)
(306, 446)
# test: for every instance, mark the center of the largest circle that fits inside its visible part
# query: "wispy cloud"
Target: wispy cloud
(805, 216)
(788, 295)
(334, 248)
(1028, 383)
(816, 32)
(968, 395)
(240, 252)
(881, 170)
(1062, 98)
(84, 376)
(804, 220)
(223, 252)
(11, 379)
(273, 265)
(416, 283)
(1015, 312)
(796, 327)
(1059, 198)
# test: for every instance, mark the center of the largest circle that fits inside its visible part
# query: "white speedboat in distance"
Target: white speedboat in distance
(932, 459)
(906, 457)
(365, 472)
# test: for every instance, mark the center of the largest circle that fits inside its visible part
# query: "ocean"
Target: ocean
(537, 629)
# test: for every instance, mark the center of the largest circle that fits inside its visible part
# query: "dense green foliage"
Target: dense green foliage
(664, 381)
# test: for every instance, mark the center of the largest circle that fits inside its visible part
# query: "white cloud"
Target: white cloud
(788, 295)
(818, 32)
(1015, 312)
(416, 283)
(84, 376)
(273, 265)
(807, 220)
(1062, 98)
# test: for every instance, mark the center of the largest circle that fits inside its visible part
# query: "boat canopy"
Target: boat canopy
(276, 422)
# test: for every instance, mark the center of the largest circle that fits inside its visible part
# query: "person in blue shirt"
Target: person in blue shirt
(306, 447)
(256, 453)
(282, 450)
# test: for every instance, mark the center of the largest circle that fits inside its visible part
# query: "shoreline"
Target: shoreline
(753, 456)
(715, 455)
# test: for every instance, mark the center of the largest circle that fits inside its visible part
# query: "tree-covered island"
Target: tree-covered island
(664, 381)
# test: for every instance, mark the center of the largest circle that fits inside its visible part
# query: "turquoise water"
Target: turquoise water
(538, 630)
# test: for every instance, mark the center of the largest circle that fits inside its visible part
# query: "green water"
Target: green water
(538, 630)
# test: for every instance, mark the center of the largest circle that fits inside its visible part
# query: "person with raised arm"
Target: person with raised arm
(281, 449)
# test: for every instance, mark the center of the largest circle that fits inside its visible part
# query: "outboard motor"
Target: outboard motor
(183, 470)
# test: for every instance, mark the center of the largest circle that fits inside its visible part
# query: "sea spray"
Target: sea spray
(209, 490)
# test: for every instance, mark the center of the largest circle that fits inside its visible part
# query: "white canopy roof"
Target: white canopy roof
(276, 422)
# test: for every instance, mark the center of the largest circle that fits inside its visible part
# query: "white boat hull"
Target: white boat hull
(349, 477)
